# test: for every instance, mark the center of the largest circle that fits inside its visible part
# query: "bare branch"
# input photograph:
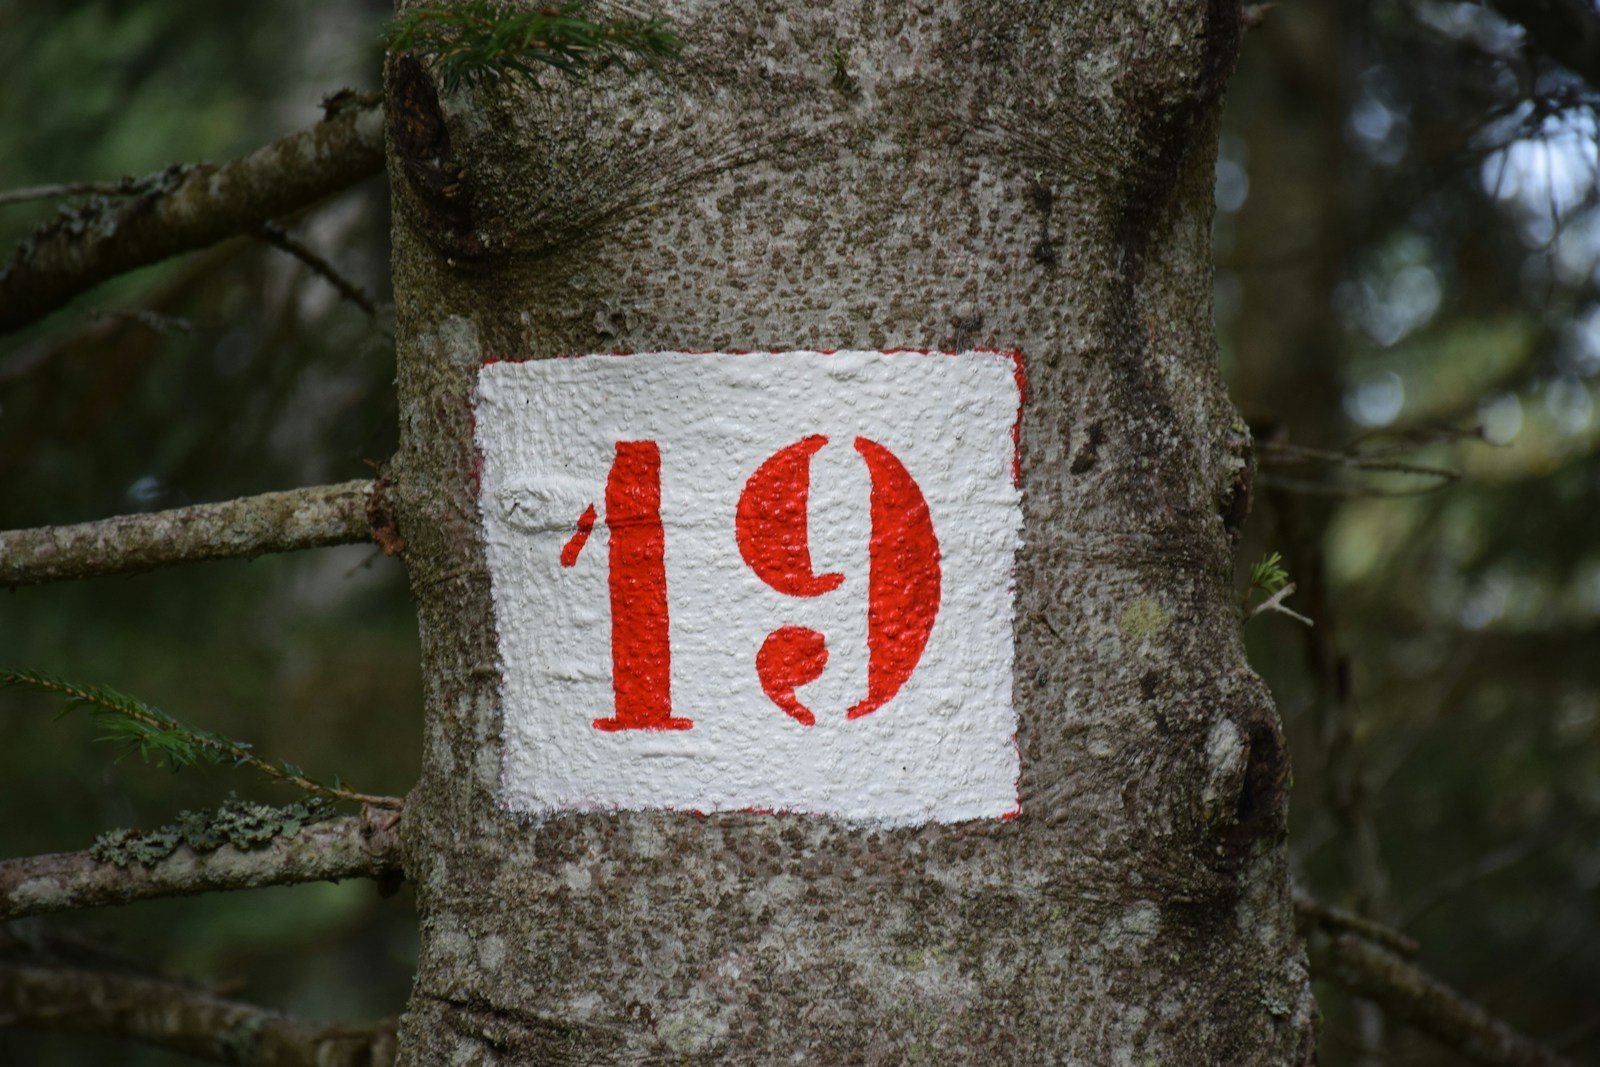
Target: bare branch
(347, 847)
(178, 1017)
(1312, 488)
(1411, 995)
(248, 526)
(279, 238)
(1275, 603)
(64, 190)
(1338, 920)
(187, 208)
(1281, 453)
(107, 330)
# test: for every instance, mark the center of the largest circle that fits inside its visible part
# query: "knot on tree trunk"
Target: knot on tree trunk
(1246, 778)
(440, 192)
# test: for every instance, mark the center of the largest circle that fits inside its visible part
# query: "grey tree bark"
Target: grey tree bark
(939, 174)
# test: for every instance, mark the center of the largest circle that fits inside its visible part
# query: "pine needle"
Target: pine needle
(473, 44)
(1268, 575)
(157, 737)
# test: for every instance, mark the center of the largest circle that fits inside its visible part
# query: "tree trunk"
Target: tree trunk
(831, 176)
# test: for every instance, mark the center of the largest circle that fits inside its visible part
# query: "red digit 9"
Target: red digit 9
(903, 579)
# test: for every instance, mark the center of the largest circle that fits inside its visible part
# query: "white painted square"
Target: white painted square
(941, 748)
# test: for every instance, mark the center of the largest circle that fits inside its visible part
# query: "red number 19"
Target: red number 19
(903, 581)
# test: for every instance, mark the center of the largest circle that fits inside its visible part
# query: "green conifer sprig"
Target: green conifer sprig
(158, 737)
(474, 43)
(1267, 573)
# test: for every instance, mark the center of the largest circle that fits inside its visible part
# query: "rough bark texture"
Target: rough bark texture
(250, 526)
(63, 881)
(186, 208)
(944, 175)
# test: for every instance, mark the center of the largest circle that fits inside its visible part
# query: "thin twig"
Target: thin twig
(227, 750)
(279, 238)
(1310, 488)
(102, 330)
(1275, 603)
(66, 189)
(64, 995)
(186, 208)
(1284, 454)
(153, 321)
(1411, 995)
(1341, 920)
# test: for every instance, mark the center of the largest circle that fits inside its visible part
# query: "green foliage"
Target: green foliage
(125, 720)
(239, 823)
(157, 736)
(1267, 573)
(475, 43)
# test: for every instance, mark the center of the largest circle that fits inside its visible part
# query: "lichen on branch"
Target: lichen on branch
(183, 208)
(240, 823)
(288, 521)
(242, 847)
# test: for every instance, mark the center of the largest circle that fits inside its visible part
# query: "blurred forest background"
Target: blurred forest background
(1408, 254)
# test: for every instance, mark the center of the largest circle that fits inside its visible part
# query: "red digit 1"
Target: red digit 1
(641, 657)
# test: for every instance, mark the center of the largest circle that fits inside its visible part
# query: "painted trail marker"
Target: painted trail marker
(773, 581)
